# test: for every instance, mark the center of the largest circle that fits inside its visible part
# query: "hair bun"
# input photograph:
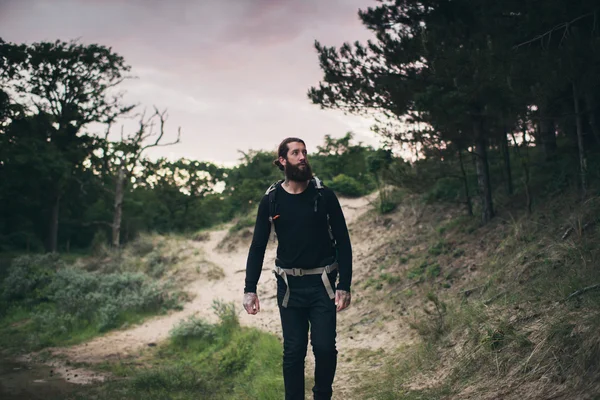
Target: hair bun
(278, 164)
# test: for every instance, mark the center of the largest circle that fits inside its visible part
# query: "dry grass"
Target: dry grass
(163, 257)
(491, 302)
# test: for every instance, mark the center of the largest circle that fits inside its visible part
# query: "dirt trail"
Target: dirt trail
(128, 343)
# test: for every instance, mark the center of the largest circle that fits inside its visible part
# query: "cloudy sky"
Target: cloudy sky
(232, 73)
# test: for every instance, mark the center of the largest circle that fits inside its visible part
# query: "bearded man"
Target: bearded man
(313, 245)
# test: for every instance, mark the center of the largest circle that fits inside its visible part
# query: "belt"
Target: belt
(323, 271)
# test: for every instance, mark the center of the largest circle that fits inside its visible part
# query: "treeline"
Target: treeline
(495, 98)
(64, 186)
(475, 86)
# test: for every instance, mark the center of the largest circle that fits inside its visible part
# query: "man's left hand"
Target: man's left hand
(342, 299)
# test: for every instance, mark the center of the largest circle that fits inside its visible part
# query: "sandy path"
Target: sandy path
(127, 343)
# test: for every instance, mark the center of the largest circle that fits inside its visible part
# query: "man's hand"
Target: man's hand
(251, 303)
(342, 299)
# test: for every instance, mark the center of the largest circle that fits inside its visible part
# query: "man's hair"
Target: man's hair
(283, 149)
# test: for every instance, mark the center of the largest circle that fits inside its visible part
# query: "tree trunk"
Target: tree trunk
(547, 132)
(52, 244)
(579, 126)
(591, 108)
(525, 165)
(466, 184)
(506, 154)
(118, 208)
(527, 178)
(483, 173)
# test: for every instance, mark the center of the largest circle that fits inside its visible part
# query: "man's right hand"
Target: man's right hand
(251, 303)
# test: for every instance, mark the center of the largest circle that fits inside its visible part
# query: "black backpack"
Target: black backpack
(272, 193)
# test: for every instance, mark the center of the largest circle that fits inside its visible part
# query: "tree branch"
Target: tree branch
(562, 25)
(582, 291)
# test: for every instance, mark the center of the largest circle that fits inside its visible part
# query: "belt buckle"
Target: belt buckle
(298, 271)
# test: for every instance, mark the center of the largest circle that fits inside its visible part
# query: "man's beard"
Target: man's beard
(297, 174)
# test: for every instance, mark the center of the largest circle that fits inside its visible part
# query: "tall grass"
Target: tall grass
(521, 321)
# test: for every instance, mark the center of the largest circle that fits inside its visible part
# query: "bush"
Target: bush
(105, 298)
(75, 300)
(192, 328)
(228, 318)
(346, 186)
(29, 276)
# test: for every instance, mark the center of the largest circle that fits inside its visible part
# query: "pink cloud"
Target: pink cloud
(233, 73)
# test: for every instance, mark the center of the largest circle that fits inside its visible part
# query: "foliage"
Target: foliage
(346, 186)
(447, 79)
(214, 361)
(29, 277)
(68, 304)
(191, 329)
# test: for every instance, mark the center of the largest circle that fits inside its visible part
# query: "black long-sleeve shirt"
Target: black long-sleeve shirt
(303, 236)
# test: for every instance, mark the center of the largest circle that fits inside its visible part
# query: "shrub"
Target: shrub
(227, 316)
(433, 324)
(192, 328)
(346, 186)
(29, 276)
(105, 299)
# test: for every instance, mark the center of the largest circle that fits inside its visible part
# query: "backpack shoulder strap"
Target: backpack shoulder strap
(273, 187)
(319, 186)
(318, 183)
(272, 192)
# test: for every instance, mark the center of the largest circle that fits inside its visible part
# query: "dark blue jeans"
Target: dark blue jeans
(308, 307)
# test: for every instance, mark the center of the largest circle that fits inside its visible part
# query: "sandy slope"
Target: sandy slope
(127, 343)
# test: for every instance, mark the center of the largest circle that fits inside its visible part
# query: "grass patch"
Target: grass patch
(243, 222)
(394, 379)
(202, 360)
(424, 269)
(384, 278)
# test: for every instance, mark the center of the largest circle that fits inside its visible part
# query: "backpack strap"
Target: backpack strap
(317, 182)
(272, 193)
(319, 186)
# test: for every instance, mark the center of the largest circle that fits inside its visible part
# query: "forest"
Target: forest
(464, 86)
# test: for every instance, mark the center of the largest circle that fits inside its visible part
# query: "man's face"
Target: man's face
(296, 165)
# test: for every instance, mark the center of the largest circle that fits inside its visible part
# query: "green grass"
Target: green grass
(378, 282)
(222, 361)
(21, 329)
(243, 222)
